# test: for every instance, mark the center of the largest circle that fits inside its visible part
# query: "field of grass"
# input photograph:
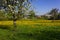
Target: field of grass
(30, 30)
(32, 22)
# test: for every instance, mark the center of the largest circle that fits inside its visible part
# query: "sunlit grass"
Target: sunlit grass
(40, 22)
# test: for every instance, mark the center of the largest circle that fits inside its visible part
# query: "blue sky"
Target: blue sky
(43, 6)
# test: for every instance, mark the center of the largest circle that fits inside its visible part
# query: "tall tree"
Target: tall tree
(12, 4)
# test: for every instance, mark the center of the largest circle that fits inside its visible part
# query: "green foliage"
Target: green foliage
(54, 13)
(31, 14)
(58, 17)
(3, 16)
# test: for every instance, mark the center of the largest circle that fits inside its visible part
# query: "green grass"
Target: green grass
(30, 32)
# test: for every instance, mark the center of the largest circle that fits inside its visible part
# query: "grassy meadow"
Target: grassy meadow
(30, 30)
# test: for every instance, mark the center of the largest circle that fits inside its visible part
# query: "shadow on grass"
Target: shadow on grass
(25, 32)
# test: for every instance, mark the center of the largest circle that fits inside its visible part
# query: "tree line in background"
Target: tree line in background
(54, 14)
(21, 9)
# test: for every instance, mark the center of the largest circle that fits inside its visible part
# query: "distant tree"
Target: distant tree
(58, 16)
(31, 14)
(54, 13)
